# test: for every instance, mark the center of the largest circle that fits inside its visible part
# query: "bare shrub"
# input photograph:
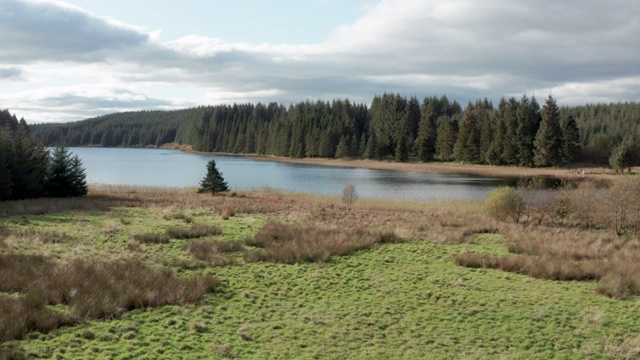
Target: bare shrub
(194, 231)
(349, 194)
(504, 203)
(294, 243)
(152, 238)
(623, 205)
(586, 203)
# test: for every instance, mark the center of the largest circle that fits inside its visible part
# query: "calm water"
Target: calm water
(173, 168)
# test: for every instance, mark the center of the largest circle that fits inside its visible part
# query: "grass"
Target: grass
(397, 294)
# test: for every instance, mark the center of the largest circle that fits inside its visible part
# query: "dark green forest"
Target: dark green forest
(515, 132)
(29, 170)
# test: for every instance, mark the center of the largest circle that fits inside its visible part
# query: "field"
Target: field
(296, 276)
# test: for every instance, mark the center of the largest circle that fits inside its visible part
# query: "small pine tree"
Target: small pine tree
(59, 180)
(548, 140)
(213, 182)
(78, 178)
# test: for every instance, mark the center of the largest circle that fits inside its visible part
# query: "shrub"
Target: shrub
(349, 194)
(504, 203)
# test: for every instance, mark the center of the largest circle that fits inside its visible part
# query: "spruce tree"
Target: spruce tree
(548, 141)
(508, 112)
(342, 150)
(467, 145)
(78, 178)
(447, 135)
(427, 134)
(213, 181)
(60, 180)
(571, 140)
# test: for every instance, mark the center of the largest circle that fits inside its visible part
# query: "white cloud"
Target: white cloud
(579, 51)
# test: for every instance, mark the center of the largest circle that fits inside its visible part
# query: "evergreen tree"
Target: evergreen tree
(373, 150)
(6, 184)
(213, 181)
(78, 178)
(528, 121)
(467, 145)
(493, 155)
(486, 132)
(29, 164)
(624, 155)
(571, 148)
(508, 112)
(402, 151)
(548, 141)
(343, 148)
(60, 177)
(447, 135)
(427, 133)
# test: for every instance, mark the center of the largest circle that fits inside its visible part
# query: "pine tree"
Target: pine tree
(510, 153)
(528, 121)
(467, 145)
(78, 178)
(548, 141)
(447, 135)
(571, 140)
(6, 184)
(342, 150)
(373, 150)
(60, 178)
(427, 134)
(213, 181)
(401, 151)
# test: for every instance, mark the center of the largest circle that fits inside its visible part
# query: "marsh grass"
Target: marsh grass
(90, 290)
(152, 238)
(193, 232)
(288, 243)
(567, 254)
(213, 251)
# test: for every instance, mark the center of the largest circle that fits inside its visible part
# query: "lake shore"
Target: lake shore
(588, 172)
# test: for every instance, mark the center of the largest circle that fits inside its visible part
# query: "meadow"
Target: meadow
(135, 272)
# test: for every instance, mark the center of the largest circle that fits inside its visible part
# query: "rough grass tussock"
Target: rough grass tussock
(152, 238)
(193, 232)
(212, 251)
(567, 254)
(90, 289)
(285, 243)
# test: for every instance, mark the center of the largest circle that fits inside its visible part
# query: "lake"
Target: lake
(174, 168)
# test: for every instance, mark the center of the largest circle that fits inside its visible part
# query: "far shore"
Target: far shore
(570, 172)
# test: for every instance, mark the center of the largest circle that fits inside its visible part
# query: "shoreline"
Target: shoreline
(590, 171)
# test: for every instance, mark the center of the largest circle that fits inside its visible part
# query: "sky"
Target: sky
(70, 60)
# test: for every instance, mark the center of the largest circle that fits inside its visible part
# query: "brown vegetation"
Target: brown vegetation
(193, 232)
(212, 251)
(89, 289)
(295, 243)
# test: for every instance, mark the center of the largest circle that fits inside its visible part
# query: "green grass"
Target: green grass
(406, 300)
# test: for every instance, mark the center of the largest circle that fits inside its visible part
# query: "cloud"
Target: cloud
(11, 73)
(50, 31)
(54, 104)
(467, 49)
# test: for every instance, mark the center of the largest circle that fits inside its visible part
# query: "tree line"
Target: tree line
(29, 170)
(516, 132)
